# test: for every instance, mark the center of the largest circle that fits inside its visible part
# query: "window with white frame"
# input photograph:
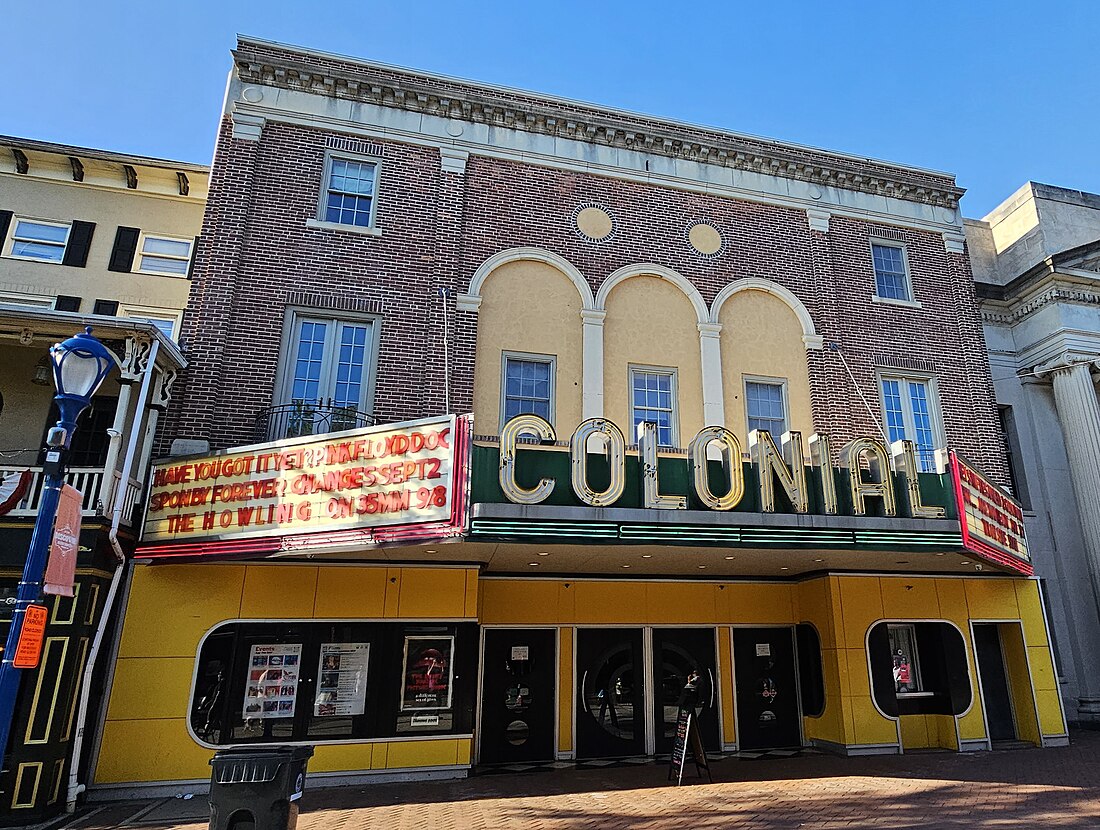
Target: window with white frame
(903, 650)
(527, 386)
(766, 406)
(328, 378)
(38, 240)
(160, 318)
(653, 400)
(891, 272)
(910, 410)
(164, 255)
(349, 193)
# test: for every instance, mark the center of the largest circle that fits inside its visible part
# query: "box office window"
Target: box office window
(919, 668)
(272, 682)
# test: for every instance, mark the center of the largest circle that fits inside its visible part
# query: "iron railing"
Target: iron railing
(293, 420)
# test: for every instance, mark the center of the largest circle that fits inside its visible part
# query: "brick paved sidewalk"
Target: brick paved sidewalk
(1029, 788)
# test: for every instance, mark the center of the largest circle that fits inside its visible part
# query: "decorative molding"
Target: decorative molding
(352, 144)
(349, 302)
(247, 127)
(650, 269)
(467, 302)
(810, 337)
(1011, 312)
(184, 183)
(819, 220)
(536, 255)
(131, 176)
(954, 243)
(21, 163)
(77, 167)
(453, 161)
(273, 65)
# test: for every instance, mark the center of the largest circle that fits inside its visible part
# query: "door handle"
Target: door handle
(710, 674)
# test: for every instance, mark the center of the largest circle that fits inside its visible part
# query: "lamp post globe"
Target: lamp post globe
(80, 365)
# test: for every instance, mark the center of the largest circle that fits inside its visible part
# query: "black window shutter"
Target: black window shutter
(108, 308)
(5, 223)
(80, 239)
(66, 303)
(122, 255)
(190, 265)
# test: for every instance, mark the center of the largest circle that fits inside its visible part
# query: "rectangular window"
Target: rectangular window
(891, 275)
(329, 377)
(158, 317)
(903, 649)
(1014, 456)
(653, 400)
(164, 255)
(38, 240)
(528, 387)
(910, 415)
(350, 187)
(766, 406)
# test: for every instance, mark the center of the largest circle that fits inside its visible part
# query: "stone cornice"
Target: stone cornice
(274, 65)
(1054, 288)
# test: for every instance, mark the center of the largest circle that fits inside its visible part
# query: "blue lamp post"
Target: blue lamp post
(80, 365)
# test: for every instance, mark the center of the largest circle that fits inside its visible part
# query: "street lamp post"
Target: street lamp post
(80, 365)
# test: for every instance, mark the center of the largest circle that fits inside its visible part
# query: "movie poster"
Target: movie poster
(342, 679)
(427, 673)
(272, 687)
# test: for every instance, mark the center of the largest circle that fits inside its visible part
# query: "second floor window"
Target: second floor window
(910, 415)
(891, 276)
(653, 400)
(528, 387)
(349, 192)
(164, 255)
(765, 407)
(42, 241)
(328, 381)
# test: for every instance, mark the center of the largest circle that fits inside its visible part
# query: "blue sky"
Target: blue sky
(997, 93)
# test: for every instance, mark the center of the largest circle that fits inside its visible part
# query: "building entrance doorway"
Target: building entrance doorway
(629, 682)
(768, 712)
(518, 702)
(996, 696)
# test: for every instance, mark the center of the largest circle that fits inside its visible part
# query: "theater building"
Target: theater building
(504, 413)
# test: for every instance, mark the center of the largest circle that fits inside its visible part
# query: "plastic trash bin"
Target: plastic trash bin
(257, 789)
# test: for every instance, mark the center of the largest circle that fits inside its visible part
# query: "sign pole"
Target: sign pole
(29, 589)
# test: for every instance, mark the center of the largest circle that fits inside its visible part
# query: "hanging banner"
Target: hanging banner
(61, 567)
(427, 673)
(272, 687)
(397, 474)
(342, 683)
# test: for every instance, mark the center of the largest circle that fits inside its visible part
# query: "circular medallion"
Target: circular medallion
(593, 223)
(705, 238)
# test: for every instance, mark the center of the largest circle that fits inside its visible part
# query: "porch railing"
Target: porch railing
(89, 481)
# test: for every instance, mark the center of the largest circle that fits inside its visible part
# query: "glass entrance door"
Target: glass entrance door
(610, 693)
(677, 652)
(768, 713)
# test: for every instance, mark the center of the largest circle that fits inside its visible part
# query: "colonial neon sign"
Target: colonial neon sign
(780, 468)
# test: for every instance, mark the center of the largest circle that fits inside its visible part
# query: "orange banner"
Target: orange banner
(61, 568)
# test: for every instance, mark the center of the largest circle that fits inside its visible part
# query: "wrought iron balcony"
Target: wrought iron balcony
(293, 420)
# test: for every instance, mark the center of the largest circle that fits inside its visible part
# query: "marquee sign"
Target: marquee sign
(992, 521)
(397, 474)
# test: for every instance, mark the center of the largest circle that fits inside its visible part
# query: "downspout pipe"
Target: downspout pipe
(75, 787)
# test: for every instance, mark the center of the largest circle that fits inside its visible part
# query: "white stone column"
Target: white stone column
(592, 363)
(714, 410)
(1079, 415)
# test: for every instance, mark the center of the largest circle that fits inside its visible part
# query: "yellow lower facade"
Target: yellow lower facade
(146, 737)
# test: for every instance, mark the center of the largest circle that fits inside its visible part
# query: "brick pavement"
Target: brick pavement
(1053, 788)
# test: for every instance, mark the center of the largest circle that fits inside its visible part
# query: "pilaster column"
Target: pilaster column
(592, 363)
(714, 413)
(1079, 415)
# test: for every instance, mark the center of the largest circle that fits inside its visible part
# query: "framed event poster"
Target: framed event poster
(342, 679)
(272, 687)
(427, 672)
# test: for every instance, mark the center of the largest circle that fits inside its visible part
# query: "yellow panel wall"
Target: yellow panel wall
(170, 608)
(1019, 682)
(565, 690)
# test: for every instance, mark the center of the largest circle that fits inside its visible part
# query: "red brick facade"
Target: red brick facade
(257, 256)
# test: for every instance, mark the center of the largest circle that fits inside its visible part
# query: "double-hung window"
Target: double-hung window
(349, 194)
(328, 378)
(891, 272)
(39, 240)
(528, 387)
(766, 406)
(909, 407)
(653, 400)
(164, 255)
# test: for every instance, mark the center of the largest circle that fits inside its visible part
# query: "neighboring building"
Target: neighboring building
(1036, 261)
(87, 238)
(382, 245)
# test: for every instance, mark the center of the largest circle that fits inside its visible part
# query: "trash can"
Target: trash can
(257, 789)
